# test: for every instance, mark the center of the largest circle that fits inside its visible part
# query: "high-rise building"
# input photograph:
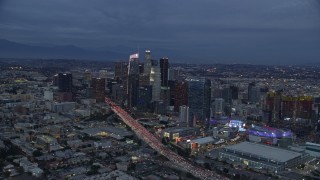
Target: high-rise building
(98, 89)
(147, 63)
(121, 70)
(65, 87)
(199, 100)
(234, 92)
(172, 86)
(165, 95)
(87, 77)
(155, 82)
(226, 94)
(160, 107)
(133, 80)
(65, 82)
(118, 93)
(145, 98)
(172, 74)
(144, 80)
(141, 68)
(55, 80)
(253, 93)
(164, 68)
(183, 114)
(181, 95)
(218, 107)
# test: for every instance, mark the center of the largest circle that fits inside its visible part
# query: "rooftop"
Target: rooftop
(268, 152)
(204, 140)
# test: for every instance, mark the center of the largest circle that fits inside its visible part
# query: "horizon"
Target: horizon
(246, 32)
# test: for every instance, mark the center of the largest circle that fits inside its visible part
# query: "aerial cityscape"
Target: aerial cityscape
(97, 90)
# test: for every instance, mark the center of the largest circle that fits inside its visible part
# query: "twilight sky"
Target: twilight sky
(206, 31)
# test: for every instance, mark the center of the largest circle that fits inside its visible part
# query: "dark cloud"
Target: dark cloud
(249, 31)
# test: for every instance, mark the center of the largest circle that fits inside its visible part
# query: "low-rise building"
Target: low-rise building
(261, 156)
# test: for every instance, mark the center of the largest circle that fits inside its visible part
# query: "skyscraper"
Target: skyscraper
(172, 86)
(145, 98)
(155, 81)
(98, 89)
(65, 82)
(183, 114)
(234, 92)
(253, 92)
(65, 87)
(226, 94)
(133, 80)
(218, 107)
(147, 63)
(199, 100)
(118, 93)
(181, 95)
(120, 70)
(164, 68)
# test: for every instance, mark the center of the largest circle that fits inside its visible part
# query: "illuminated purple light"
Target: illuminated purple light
(269, 132)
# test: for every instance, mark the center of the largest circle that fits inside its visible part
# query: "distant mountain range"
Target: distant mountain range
(9, 49)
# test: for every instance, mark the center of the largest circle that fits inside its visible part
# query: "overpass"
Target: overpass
(154, 143)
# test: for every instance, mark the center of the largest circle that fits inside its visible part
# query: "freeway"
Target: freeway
(153, 142)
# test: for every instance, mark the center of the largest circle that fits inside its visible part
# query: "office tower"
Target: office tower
(55, 80)
(296, 107)
(133, 80)
(172, 86)
(147, 63)
(121, 74)
(121, 70)
(316, 109)
(144, 80)
(251, 87)
(172, 75)
(181, 95)
(145, 98)
(253, 93)
(276, 114)
(164, 67)
(165, 95)
(87, 77)
(141, 68)
(98, 89)
(160, 107)
(218, 107)
(109, 83)
(199, 100)
(65, 82)
(226, 94)
(65, 87)
(183, 114)
(234, 92)
(118, 93)
(155, 81)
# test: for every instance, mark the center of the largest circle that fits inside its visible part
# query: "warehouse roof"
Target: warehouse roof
(204, 140)
(264, 151)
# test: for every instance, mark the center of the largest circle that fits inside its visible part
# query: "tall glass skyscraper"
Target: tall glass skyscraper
(98, 88)
(155, 82)
(133, 80)
(164, 67)
(199, 99)
(147, 63)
